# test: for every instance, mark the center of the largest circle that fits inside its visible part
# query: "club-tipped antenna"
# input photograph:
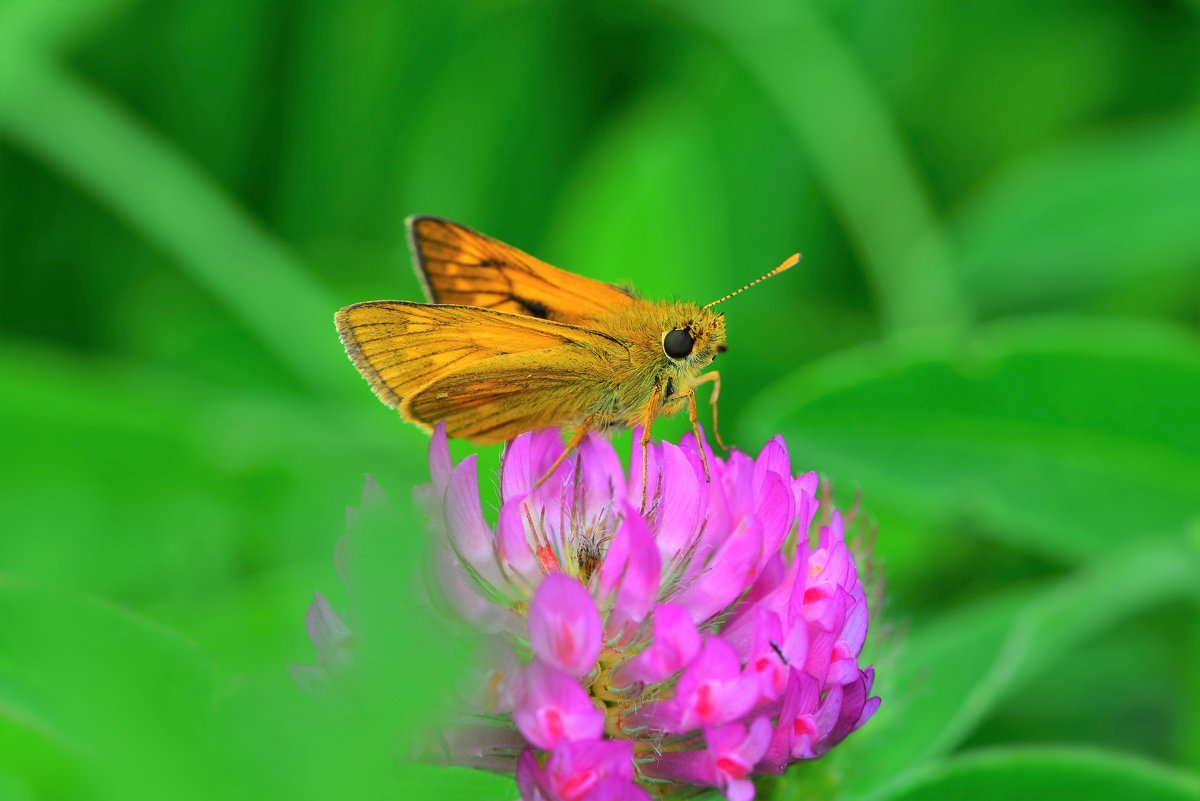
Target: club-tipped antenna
(788, 264)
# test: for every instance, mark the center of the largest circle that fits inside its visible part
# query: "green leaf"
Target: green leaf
(1085, 216)
(147, 485)
(144, 180)
(1053, 773)
(829, 104)
(638, 200)
(941, 683)
(94, 687)
(1061, 436)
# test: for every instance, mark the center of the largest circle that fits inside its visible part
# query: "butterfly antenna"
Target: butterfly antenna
(788, 264)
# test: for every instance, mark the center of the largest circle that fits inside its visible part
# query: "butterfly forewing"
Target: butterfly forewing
(461, 266)
(449, 362)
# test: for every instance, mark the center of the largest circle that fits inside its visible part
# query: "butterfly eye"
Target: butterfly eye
(678, 344)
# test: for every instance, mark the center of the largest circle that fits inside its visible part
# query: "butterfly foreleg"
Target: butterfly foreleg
(715, 378)
(576, 438)
(651, 415)
(691, 402)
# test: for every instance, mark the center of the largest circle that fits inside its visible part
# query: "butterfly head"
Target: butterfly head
(695, 336)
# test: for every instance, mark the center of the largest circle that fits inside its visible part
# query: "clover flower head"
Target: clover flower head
(697, 642)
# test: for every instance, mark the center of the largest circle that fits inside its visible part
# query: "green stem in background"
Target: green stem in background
(91, 141)
(857, 153)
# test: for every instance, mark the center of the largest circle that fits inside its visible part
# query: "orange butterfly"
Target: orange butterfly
(509, 344)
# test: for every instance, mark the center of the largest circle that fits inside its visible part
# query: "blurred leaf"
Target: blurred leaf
(950, 674)
(643, 211)
(831, 108)
(96, 702)
(156, 487)
(1061, 436)
(145, 181)
(1085, 216)
(33, 29)
(1057, 773)
(497, 154)
(104, 686)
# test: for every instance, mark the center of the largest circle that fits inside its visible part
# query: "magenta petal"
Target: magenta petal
(531, 779)
(632, 569)
(526, 459)
(553, 706)
(472, 539)
(854, 629)
(766, 663)
(712, 691)
(805, 491)
(734, 752)
(591, 770)
(684, 497)
(564, 626)
(456, 588)
(675, 643)
(512, 543)
(614, 789)
(639, 585)
(772, 460)
(732, 569)
(601, 477)
(775, 508)
(440, 463)
(795, 721)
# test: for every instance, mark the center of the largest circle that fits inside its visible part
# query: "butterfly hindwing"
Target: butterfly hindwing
(499, 398)
(401, 348)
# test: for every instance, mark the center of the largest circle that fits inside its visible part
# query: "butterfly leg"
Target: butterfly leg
(576, 438)
(715, 378)
(651, 415)
(691, 397)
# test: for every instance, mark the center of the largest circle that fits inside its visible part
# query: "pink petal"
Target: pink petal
(526, 459)
(531, 779)
(675, 642)
(854, 630)
(632, 568)
(456, 588)
(472, 539)
(775, 508)
(591, 770)
(805, 491)
(614, 789)
(734, 751)
(601, 477)
(512, 543)
(564, 625)
(684, 497)
(732, 569)
(772, 460)
(440, 463)
(553, 706)
(713, 691)
(766, 663)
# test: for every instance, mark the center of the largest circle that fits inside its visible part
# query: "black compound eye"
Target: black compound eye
(678, 344)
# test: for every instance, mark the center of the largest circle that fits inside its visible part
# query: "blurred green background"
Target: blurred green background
(993, 338)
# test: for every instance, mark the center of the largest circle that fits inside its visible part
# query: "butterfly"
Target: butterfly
(509, 344)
